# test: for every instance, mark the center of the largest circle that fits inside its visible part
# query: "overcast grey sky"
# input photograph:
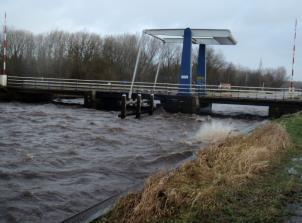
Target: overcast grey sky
(263, 28)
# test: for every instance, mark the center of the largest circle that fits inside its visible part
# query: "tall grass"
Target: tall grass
(200, 189)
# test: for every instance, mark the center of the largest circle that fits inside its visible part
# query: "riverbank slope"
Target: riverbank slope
(247, 178)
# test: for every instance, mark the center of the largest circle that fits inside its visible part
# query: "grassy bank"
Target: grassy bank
(244, 179)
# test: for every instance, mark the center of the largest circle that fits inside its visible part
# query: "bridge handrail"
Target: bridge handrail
(81, 81)
(147, 86)
(139, 87)
(159, 88)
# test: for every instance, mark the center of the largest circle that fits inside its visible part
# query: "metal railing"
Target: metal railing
(210, 91)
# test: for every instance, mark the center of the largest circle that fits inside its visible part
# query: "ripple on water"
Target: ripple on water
(58, 160)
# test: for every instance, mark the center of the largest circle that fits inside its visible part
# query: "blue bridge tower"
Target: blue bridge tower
(185, 78)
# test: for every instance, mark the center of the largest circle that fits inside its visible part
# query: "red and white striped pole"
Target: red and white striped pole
(294, 53)
(4, 45)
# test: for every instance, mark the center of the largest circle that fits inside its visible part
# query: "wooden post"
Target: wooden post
(151, 103)
(123, 106)
(87, 101)
(93, 99)
(138, 106)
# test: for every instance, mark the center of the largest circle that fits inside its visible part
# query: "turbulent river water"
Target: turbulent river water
(57, 160)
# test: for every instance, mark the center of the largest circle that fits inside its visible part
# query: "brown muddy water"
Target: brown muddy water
(57, 160)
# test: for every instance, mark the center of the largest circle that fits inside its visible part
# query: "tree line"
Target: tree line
(85, 55)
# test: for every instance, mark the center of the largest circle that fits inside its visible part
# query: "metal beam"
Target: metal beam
(202, 36)
(136, 65)
(158, 65)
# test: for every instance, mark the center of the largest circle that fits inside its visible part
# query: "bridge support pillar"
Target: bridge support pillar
(205, 108)
(183, 104)
(33, 97)
(276, 111)
(6, 95)
(102, 101)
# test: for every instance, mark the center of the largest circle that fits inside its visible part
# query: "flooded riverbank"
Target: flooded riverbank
(58, 160)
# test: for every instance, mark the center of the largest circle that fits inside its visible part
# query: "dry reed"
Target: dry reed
(230, 164)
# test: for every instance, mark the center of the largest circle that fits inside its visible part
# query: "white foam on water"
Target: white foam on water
(215, 131)
(29, 157)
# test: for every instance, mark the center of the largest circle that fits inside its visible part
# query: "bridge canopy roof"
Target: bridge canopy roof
(199, 36)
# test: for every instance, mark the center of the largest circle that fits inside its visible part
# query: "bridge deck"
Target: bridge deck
(208, 93)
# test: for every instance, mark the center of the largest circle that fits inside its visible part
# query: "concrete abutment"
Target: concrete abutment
(276, 110)
(103, 102)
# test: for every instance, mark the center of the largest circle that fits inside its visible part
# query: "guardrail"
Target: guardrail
(77, 85)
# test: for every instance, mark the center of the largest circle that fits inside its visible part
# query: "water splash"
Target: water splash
(29, 157)
(215, 131)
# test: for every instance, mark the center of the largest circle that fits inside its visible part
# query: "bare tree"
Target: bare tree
(88, 56)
